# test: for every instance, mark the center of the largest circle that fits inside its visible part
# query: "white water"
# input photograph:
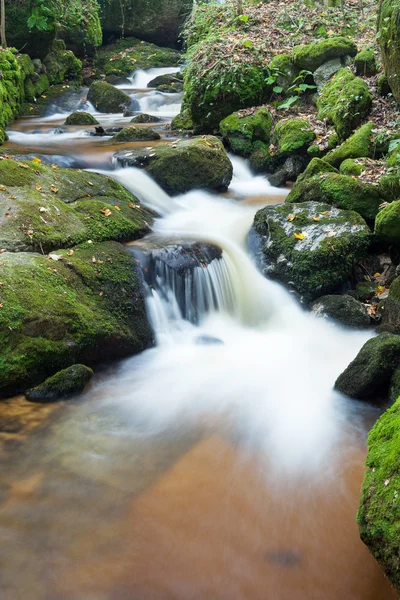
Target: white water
(272, 377)
(140, 79)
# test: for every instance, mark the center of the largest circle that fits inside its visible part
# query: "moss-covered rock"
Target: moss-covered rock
(387, 223)
(341, 191)
(12, 91)
(394, 387)
(365, 63)
(311, 246)
(343, 309)
(368, 376)
(61, 64)
(311, 56)
(344, 101)
(135, 134)
(86, 307)
(183, 121)
(293, 136)
(315, 167)
(358, 145)
(197, 163)
(80, 25)
(284, 70)
(158, 21)
(42, 209)
(391, 312)
(351, 167)
(80, 118)
(128, 54)
(106, 98)
(379, 512)
(35, 42)
(143, 118)
(64, 384)
(383, 86)
(389, 40)
(242, 131)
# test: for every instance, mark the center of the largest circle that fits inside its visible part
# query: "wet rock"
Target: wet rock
(311, 247)
(208, 340)
(64, 384)
(100, 131)
(107, 98)
(81, 118)
(162, 80)
(87, 306)
(391, 312)
(344, 309)
(197, 163)
(290, 170)
(117, 80)
(57, 131)
(143, 118)
(378, 514)
(365, 290)
(368, 376)
(242, 132)
(135, 134)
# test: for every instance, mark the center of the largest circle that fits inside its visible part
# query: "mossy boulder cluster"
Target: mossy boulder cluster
(83, 302)
(242, 132)
(198, 163)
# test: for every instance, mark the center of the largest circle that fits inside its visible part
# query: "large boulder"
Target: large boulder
(86, 306)
(312, 56)
(43, 208)
(341, 191)
(106, 98)
(64, 384)
(343, 309)
(379, 512)
(387, 223)
(197, 163)
(389, 40)
(292, 136)
(368, 376)
(242, 130)
(344, 101)
(358, 145)
(311, 247)
(158, 21)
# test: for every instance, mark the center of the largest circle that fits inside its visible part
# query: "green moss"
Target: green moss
(293, 136)
(318, 263)
(143, 118)
(65, 383)
(283, 69)
(358, 145)
(242, 131)
(341, 191)
(351, 167)
(368, 375)
(383, 85)
(35, 42)
(315, 167)
(344, 101)
(129, 54)
(86, 307)
(80, 118)
(61, 64)
(312, 56)
(387, 223)
(365, 63)
(26, 64)
(135, 134)
(388, 25)
(107, 98)
(379, 512)
(182, 121)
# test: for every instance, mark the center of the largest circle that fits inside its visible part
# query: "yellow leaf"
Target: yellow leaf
(38, 187)
(117, 207)
(291, 217)
(379, 290)
(377, 274)
(106, 212)
(299, 236)
(316, 219)
(54, 189)
(3, 188)
(326, 213)
(90, 183)
(70, 252)
(12, 197)
(55, 167)
(36, 160)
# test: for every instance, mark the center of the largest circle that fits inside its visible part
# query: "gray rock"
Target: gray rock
(344, 309)
(323, 74)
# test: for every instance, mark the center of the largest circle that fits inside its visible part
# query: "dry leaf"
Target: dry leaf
(54, 189)
(38, 187)
(36, 160)
(106, 212)
(56, 256)
(12, 197)
(117, 207)
(291, 217)
(299, 236)
(316, 219)
(3, 188)
(70, 252)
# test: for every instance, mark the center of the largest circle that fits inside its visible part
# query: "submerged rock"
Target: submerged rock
(83, 306)
(311, 247)
(65, 383)
(135, 134)
(344, 309)
(198, 163)
(106, 98)
(379, 512)
(81, 118)
(368, 376)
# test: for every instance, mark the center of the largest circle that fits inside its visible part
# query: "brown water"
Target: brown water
(100, 502)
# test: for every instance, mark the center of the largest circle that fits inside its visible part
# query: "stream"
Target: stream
(219, 464)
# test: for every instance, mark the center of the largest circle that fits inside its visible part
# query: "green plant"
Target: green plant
(40, 18)
(299, 87)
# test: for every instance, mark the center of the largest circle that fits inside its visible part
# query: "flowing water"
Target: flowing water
(219, 464)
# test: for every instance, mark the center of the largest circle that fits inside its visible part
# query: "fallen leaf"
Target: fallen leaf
(38, 187)
(387, 481)
(3, 188)
(299, 236)
(36, 160)
(90, 183)
(106, 212)
(42, 209)
(70, 252)
(326, 213)
(55, 167)
(101, 293)
(291, 217)
(54, 189)
(56, 256)
(117, 207)
(12, 197)
(316, 219)
(23, 166)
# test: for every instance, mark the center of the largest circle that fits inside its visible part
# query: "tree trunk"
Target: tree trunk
(239, 6)
(3, 24)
